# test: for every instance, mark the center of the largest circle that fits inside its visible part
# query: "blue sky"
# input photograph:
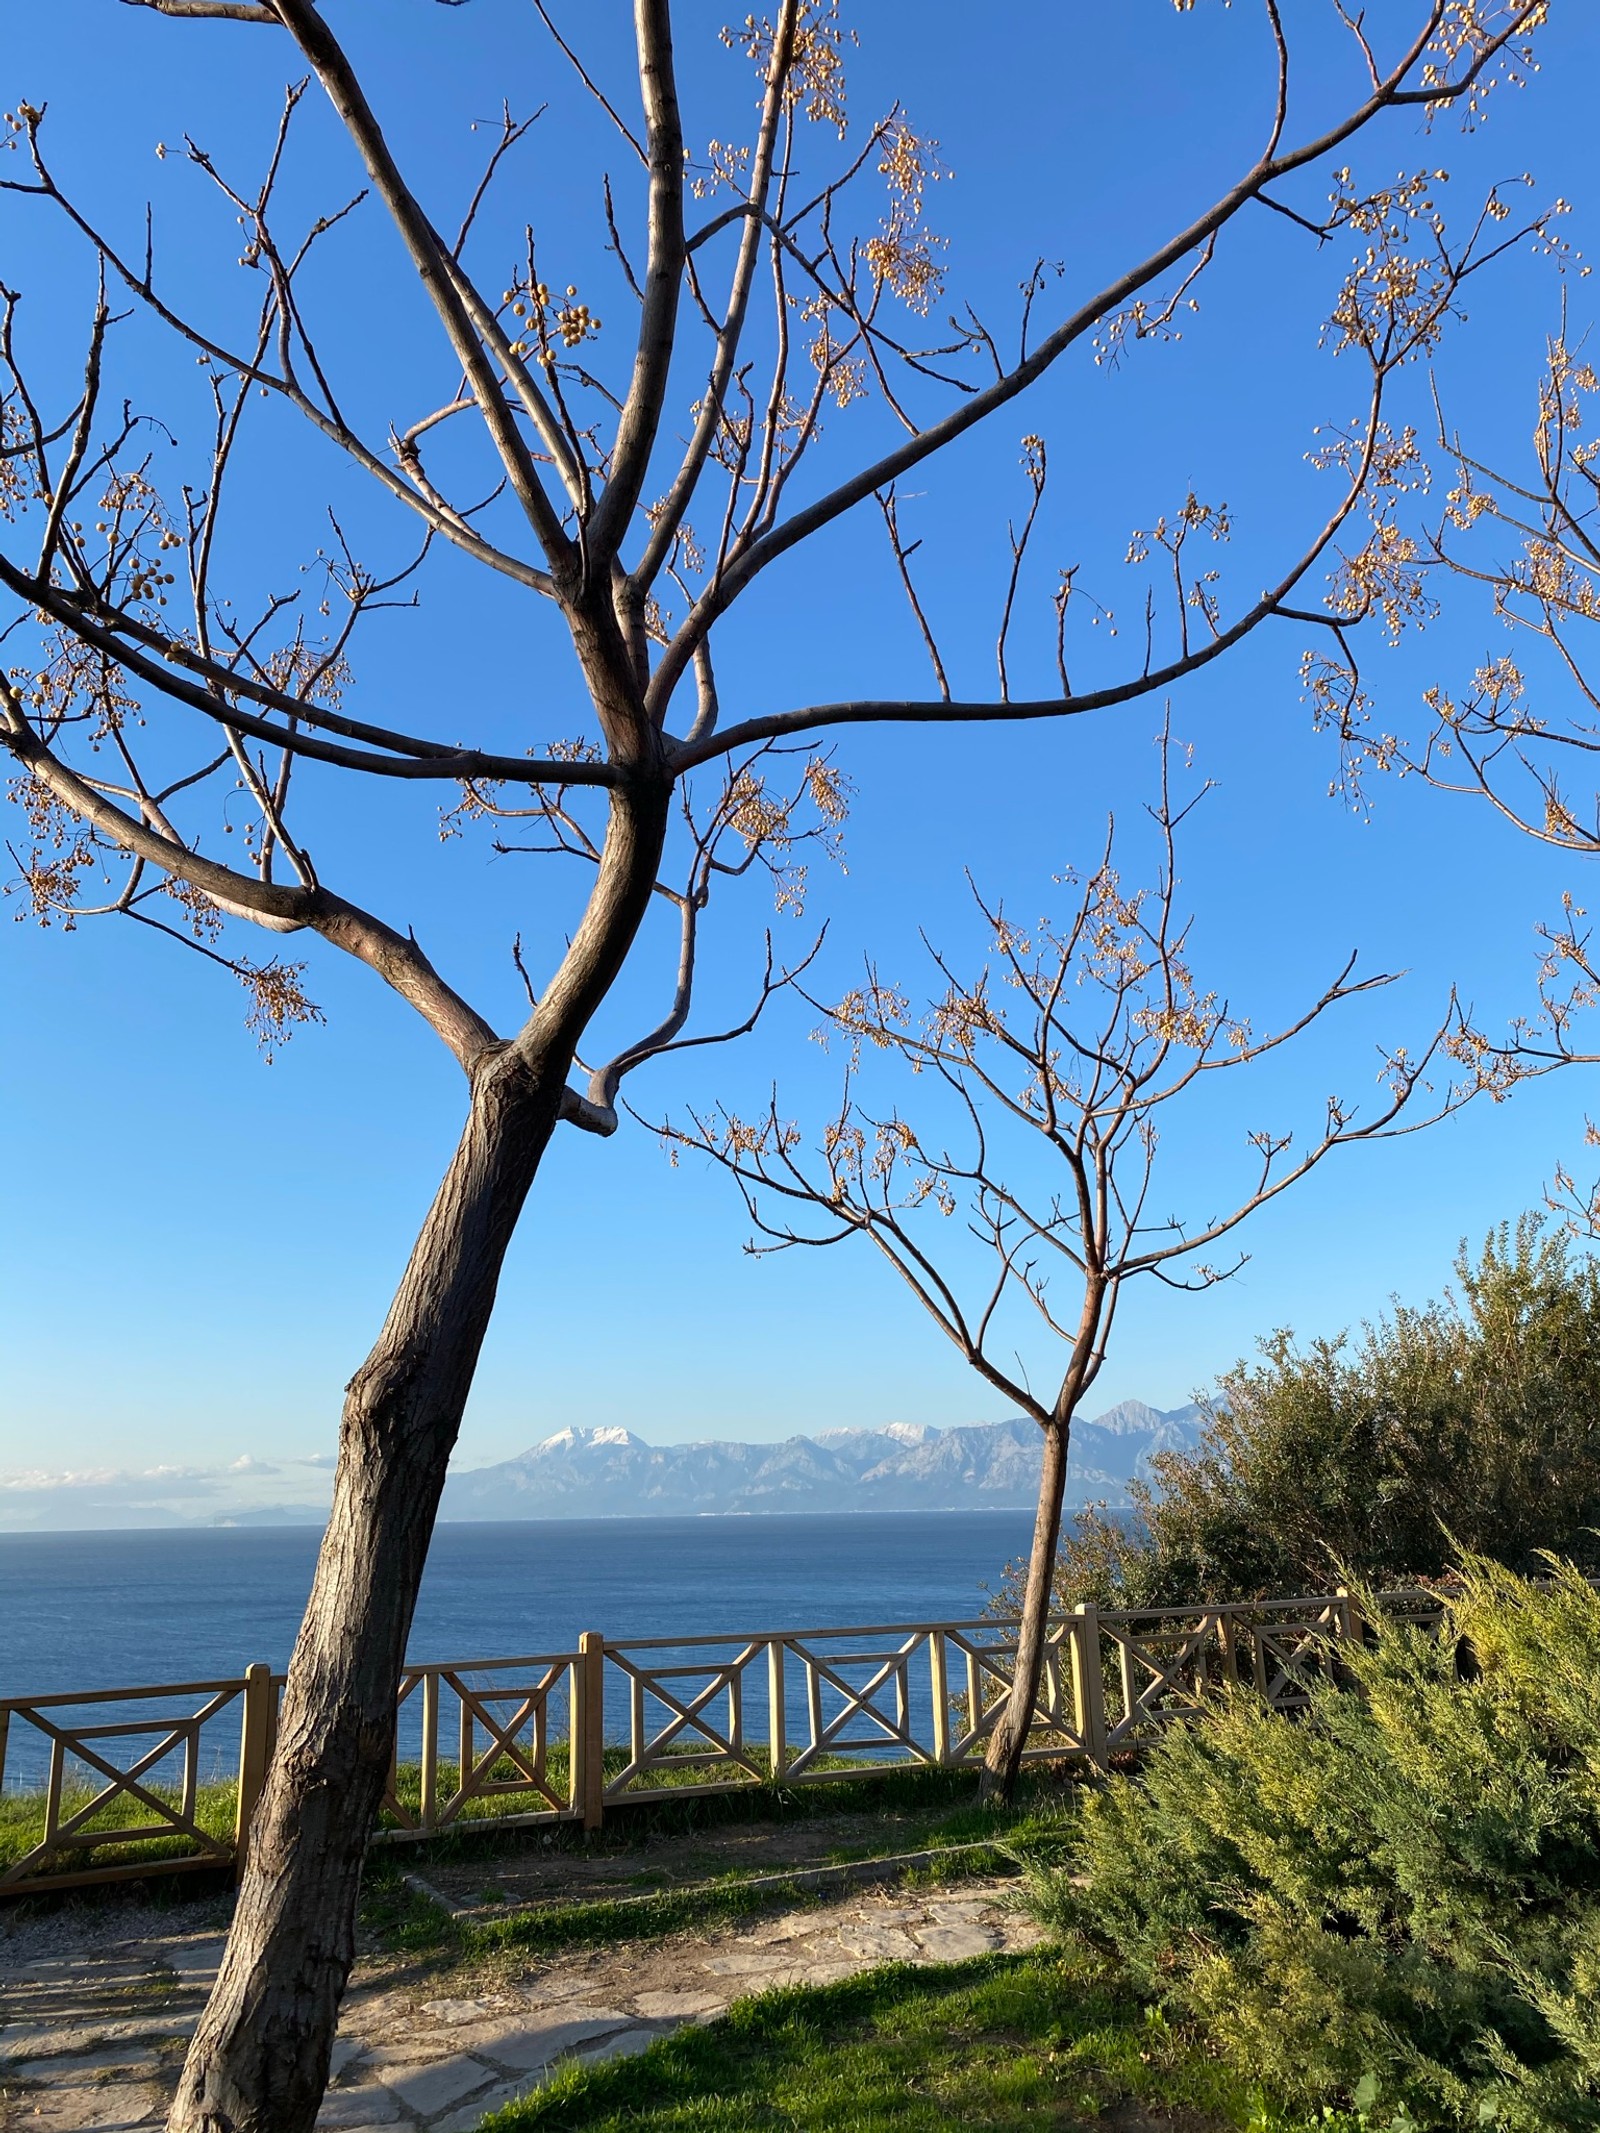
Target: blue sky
(200, 1246)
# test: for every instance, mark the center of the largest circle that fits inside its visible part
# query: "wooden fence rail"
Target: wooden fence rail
(118, 1783)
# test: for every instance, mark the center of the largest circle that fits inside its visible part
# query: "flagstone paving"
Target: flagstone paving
(92, 2036)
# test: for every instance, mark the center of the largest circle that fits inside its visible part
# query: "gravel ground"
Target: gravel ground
(96, 2004)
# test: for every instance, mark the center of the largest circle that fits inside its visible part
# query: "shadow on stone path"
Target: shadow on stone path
(91, 2039)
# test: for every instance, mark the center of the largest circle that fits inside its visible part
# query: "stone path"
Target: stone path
(91, 2038)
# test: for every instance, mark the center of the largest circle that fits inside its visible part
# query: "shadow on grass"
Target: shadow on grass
(943, 1848)
(1008, 2044)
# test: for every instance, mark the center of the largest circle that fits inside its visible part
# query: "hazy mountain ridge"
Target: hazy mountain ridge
(608, 1472)
(905, 1466)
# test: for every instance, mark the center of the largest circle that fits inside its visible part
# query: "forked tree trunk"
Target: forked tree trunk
(259, 2059)
(1003, 1758)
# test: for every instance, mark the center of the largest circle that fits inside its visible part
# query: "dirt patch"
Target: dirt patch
(95, 2015)
(541, 1870)
(1135, 2118)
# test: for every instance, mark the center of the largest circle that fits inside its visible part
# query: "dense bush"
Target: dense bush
(1474, 1421)
(1395, 1901)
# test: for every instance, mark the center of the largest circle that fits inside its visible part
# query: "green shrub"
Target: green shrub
(1476, 1420)
(1396, 1898)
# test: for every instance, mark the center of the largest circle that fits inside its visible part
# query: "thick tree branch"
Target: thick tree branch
(395, 957)
(949, 711)
(438, 271)
(779, 539)
(212, 10)
(663, 283)
(217, 700)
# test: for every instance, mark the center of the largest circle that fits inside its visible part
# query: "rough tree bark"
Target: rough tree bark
(1009, 1739)
(260, 2055)
(259, 2060)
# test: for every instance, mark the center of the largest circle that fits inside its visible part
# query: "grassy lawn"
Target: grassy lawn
(22, 1826)
(401, 1918)
(930, 1794)
(911, 1810)
(1001, 2045)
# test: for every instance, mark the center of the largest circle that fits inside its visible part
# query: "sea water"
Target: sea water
(88, 1611)
(112, 1610)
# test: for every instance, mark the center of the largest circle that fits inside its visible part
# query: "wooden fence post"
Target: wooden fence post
(1352, 1622)
(430, 1749)
(255, 1751)
(589, 1733)
(939, 1675)
(468, 1748)
(777, 1717)
(1228, 1633)
(1088, 1683)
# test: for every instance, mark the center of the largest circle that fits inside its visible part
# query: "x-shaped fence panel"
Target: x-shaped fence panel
(987, 1654)
(869, 1691)
(673, 1728)
(485, 1776)
(506, 1720)
(1163, 1671)
(1292, 1651)
(97, 1772)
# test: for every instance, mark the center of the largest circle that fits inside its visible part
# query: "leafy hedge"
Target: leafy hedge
(1396, 1901)
(1477, 1417)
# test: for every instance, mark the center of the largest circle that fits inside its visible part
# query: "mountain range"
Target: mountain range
(586, 1472)
(905, 1466)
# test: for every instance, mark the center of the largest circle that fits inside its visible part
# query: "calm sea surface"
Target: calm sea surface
(113, 1610)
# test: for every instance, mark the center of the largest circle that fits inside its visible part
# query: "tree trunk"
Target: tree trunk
(259, 2060)
(1010, 1736)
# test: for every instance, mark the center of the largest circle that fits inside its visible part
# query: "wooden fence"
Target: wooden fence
(120, 1783)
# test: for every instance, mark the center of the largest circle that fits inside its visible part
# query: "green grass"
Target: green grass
(22, 1827)
(1004, 2045)
(931, 1806)
(402, 1918)
(931, 1810)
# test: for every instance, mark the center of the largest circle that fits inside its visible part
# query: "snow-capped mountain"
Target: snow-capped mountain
(611, 1473)
(905, 1466)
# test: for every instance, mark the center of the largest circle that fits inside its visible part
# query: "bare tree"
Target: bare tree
(1521, 731)
(1056, 1066)
(150, 704)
